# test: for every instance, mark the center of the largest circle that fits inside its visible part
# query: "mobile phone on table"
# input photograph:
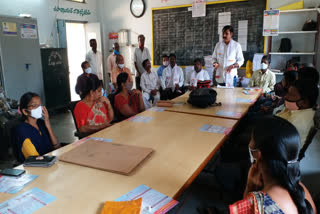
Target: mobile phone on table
(12, 172)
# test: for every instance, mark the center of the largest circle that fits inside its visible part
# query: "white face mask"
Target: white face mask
(121, 66)
(88, 70)
(166, 63)
(36, 113)
(129, 86)
(264, 66)
(102, 91)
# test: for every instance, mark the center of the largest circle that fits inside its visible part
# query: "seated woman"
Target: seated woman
(94, 112)
(273, 185)
(127, 102)
(34, 136)
(299, 103)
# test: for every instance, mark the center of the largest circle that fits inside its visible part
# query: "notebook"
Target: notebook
(112, 157)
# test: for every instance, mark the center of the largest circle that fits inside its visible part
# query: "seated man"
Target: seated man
(120, 68)
(263, 78)
(165, 63)
(198, 74)
(172, 80)
(150, 85)
(299, 103)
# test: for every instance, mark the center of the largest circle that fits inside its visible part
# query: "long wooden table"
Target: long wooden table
(228, 99)
(181, 151)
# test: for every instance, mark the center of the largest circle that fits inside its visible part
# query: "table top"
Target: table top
(235, 103)
(181, 151)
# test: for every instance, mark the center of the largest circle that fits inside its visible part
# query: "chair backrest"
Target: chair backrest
(71, 107)
(9, 132)
(312, 133)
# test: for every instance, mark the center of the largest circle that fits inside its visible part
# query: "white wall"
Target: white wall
(46, 16)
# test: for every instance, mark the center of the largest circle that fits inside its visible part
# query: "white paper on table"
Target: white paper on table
(271, 22)
(257, 61)
(198, 8)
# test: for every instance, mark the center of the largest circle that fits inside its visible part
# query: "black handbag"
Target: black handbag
(203, 97)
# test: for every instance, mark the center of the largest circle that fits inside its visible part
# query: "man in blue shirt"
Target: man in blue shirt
(165, 63)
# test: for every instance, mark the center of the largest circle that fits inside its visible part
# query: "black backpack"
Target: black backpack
(285, 45)
(203, 97)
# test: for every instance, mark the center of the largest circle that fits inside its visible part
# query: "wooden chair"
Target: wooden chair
(312, 133)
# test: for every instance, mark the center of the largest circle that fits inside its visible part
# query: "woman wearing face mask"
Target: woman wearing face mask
(34, 136)
(127, 102)
(273, 185)
(120, 68)
(299, 103)
(94, 112)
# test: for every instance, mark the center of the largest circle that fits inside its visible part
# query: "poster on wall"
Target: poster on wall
(271, 22)
(198, 8)
(9, 28)
(28, 31)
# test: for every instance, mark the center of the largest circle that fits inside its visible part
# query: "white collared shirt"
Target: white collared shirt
(140, 56)
(172, 76)
(149, 82)
(95, 61)
(111, 62)
(227, 55)
(195, 77)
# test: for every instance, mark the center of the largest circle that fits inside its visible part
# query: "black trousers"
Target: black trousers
(138, 78)
(168, 94)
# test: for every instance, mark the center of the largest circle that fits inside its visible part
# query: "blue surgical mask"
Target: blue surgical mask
(121, 66)
(116, 52)
(88, 70)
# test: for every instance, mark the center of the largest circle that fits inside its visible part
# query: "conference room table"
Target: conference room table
(235, 103)
(181, 151)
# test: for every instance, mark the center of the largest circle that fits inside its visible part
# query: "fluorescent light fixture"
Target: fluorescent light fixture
(25, 15)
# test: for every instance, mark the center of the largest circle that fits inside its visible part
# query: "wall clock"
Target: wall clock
(137, 8)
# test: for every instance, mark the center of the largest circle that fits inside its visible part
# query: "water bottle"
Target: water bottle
(235, 80)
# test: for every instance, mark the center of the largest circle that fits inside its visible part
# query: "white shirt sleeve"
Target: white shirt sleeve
(148, 54)
(181, 78)
(206, 75)
(188, 78)
(158, 80)
(143, 84)
(163, 79)
(239, 56)
(135, 55)
(88, 58)
(214, 55)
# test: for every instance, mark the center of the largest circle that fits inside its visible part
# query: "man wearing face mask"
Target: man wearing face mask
(94, 57)
(120, 68)
(172, 80)
(140, 54)
(111, 61)
(81, 79)
(263, 78)
(197, 75)
(299, 102)
(227, 57)
(165, 63)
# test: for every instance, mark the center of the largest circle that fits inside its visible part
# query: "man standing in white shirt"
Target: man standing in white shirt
(112, 59)
(94, 57)
(172, 80)
(149, 85)
(198, 74)
(227, 57)
(140, 54)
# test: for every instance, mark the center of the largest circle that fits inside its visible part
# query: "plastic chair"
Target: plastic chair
(77, 133)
